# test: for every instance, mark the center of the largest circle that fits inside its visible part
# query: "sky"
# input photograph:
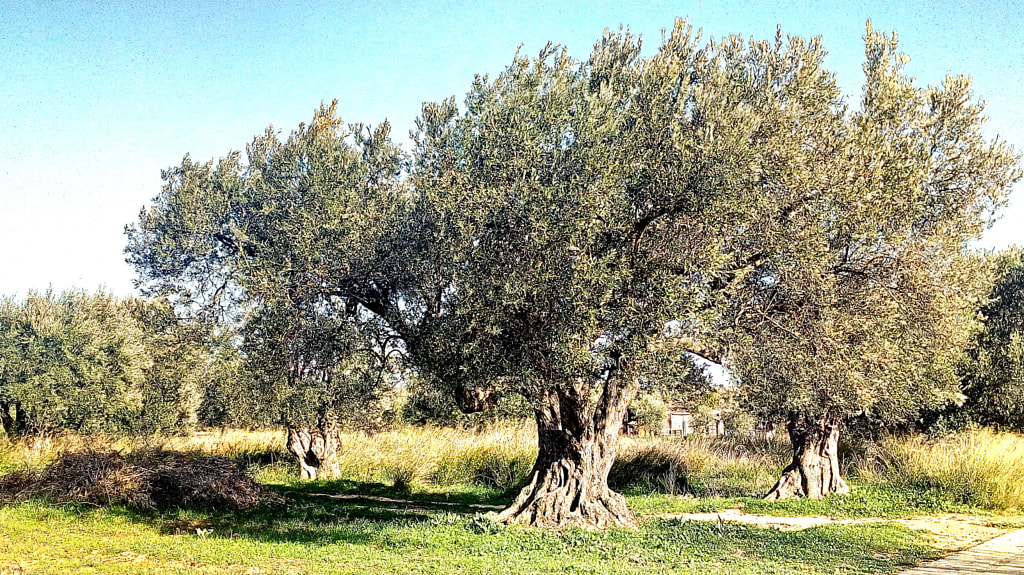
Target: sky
(96, 98)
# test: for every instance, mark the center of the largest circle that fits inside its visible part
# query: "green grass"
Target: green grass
(314, 534)
(864, 501)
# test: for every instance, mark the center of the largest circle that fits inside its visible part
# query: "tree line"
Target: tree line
(577, 229)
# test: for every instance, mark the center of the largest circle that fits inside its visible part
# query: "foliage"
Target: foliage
(256, 247)
(94, 362)
(70, 361)
(186, 363)
(427, 405)
(853, 292)
(994, 370)
(650, 412)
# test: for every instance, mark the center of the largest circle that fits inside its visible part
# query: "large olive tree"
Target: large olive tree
(579, 225)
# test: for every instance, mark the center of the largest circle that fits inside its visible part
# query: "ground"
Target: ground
(352, 527)
(421, 500)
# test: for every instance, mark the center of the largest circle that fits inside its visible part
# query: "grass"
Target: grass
(980, 468)
(413, 500)
(319, 535)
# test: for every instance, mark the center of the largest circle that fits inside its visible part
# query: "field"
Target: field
(415, 500)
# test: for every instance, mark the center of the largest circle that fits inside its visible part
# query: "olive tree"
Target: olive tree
(572, 202)
(993, 373)
(860, 293)
(581, 225)
(73, 360)
(255, 245)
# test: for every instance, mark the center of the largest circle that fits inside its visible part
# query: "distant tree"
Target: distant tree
(994, 371)
(71, 361)
(317, 373)
(183, 367)
(860, 292)
(651, 412)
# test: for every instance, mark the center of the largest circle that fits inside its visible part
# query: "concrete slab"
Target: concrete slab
(1003, 555)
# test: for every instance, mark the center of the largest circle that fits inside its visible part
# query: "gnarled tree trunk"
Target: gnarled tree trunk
(568, 485)
(814, 471)
(317, 449)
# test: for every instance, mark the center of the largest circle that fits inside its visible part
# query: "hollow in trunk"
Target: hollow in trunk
(814, 471)
(316, 449)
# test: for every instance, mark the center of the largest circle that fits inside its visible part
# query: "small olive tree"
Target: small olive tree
(255, 245)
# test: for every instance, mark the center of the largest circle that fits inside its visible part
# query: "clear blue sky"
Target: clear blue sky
(97, 97)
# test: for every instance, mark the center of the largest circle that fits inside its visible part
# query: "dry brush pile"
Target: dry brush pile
(151, 479)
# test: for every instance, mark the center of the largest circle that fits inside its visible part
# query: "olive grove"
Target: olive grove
(578, 227)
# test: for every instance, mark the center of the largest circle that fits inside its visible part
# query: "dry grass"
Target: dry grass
(500, 455)
(36, 452)
(979, 467)
(700, 466)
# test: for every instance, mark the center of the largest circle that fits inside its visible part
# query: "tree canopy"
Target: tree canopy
(994, 367)
(95, 362)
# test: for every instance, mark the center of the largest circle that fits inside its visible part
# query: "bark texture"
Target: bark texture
(814, 471)
(568, 486)
(316, 449)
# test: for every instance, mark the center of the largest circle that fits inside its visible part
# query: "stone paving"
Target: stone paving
(1003, 555)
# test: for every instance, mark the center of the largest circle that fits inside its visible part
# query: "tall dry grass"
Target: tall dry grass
(500, 455)
(35, 452)
(979, 467)
(701, 466)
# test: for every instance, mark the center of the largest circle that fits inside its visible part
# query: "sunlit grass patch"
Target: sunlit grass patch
(314, 535)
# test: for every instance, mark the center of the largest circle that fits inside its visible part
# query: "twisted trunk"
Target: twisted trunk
(316, 449)
(814, 471)
(568, 485)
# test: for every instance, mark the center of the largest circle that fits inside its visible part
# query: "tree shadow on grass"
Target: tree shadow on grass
(455, 501)
(321, 513)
